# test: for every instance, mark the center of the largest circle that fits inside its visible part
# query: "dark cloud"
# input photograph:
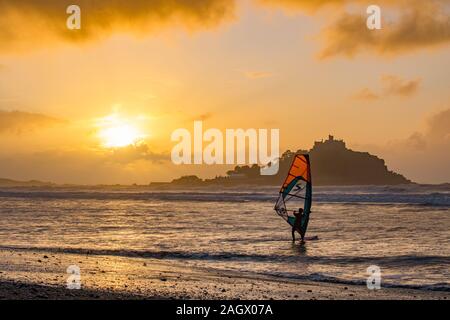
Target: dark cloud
(29, 23)
(412, 25)
(346, 36)
(17, 122)
(420, 25)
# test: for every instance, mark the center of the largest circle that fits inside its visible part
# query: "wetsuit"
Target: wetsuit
(297, 224)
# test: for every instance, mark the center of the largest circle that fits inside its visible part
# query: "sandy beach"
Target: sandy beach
(42, 275)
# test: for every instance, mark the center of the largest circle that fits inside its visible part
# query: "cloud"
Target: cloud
(314, 5)
(257, 74)
(27, 24)
(310, 6)
(203, 117)
(86, 165)
(392, 86)
(136, 152)
(408, 25)
(435, 138)
(17, 122)
(439, 127)
(424, 155)
(396, 86)
(366, 94)
(419, 25)
(346, 36)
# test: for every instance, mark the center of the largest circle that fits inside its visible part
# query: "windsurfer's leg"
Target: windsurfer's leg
(293, 234)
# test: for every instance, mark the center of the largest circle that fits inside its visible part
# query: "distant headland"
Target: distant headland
(31, 183)
(332, 163)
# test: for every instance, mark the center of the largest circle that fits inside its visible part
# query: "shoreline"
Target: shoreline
(42, 276)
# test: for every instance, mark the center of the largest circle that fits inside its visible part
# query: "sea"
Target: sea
(402, 230)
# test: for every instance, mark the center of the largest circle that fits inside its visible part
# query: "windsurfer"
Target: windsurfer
(297, 223)
(297, 186)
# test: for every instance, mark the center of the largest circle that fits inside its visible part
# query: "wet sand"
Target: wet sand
(26, 274)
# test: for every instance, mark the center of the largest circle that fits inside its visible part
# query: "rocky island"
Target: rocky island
(332, 163)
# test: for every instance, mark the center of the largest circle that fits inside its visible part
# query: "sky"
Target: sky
(99, 104)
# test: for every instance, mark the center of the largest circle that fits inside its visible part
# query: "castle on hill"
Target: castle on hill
(330, 143)
(332, 163)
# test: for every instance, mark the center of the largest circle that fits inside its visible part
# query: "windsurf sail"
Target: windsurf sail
(296, 192)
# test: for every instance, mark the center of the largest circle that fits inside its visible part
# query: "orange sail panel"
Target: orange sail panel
(300, 169)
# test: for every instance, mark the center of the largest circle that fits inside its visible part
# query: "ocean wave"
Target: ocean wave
(425, 199)
(397, 261)
(320, 277)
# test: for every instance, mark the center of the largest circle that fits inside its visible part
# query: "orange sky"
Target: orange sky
(146, 68)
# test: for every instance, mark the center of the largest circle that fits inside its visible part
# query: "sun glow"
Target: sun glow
(116, 132)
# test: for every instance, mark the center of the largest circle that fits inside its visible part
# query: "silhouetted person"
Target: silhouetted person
(297, 223)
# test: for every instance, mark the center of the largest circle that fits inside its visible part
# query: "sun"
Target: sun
(120, 136)
(116, 132)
